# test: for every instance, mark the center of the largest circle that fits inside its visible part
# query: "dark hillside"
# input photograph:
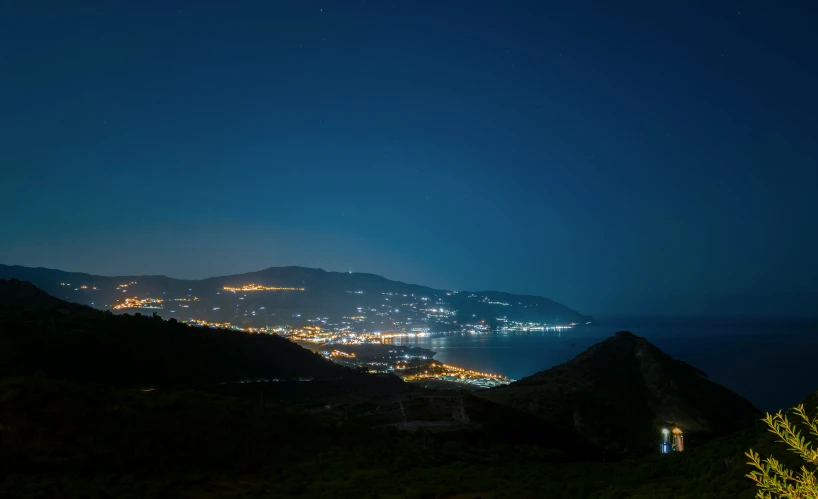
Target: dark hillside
(621, 391)
(70, 440)
(74, 342)
(20, 294)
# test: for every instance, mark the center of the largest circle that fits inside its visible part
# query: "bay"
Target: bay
(771, 362)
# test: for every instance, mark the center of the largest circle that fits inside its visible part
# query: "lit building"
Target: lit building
(672, 441)
(665, 448)
(678, 440)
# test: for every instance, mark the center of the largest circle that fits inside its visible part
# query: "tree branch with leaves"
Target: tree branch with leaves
(773, 479)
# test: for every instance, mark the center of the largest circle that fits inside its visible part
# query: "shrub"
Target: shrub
(775, 480)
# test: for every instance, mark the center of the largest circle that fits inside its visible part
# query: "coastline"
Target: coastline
(413, 364)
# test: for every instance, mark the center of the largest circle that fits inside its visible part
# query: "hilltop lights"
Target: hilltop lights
(259, 287)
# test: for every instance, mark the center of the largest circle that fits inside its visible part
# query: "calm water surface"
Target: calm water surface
(772, 363)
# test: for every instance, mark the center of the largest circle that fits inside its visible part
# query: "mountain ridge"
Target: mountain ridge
(5, 268)
(330, 297)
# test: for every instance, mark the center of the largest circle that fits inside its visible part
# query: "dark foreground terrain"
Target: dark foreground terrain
(94, 405)
(64, 440)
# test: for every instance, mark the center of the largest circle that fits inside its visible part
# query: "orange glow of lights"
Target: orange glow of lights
(259, 287)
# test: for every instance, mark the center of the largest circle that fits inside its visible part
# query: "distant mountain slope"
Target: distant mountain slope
(68, 341)
(24, 294)
(621, 391)
(357, 300)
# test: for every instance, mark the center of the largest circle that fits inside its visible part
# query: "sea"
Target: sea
(771, 362)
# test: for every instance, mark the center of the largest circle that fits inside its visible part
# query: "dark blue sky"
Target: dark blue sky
(619, 157)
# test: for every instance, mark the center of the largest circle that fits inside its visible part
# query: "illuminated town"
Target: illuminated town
(359, 329)
(454, 374)
(374, 353)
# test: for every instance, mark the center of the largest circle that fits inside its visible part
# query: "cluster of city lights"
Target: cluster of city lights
(227, 325)
(532, 327)
(446, 372)
(154, 303)
(259, 287)
(338, 353)
(81, 287)
(315, 334)
(199, 322)
(469, 372)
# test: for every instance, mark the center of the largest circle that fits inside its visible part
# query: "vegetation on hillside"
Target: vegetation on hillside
(773, 477)
(62, 439)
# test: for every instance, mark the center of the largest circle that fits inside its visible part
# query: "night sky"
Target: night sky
(618, 157)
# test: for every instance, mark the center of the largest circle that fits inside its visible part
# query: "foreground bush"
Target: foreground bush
(774, 479)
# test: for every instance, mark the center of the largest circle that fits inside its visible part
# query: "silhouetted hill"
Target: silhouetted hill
(621, 391)
(377, 302)
(14, 293)
(74, 342)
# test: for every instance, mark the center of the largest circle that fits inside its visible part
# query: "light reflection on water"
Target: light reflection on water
(737, 354)
(513, 354)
